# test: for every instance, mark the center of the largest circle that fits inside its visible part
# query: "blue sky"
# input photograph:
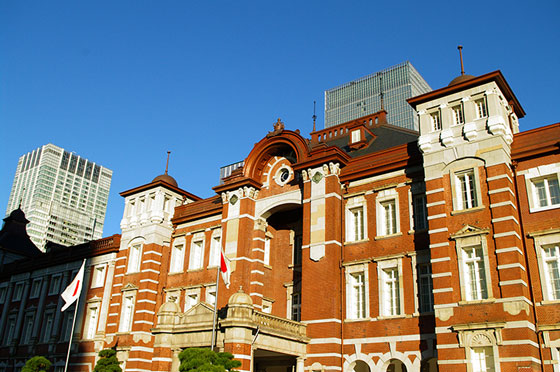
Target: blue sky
(122, 82)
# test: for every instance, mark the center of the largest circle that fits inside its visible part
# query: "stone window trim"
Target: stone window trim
(215, 247)
(383, 197)
(459, 168)
(128, 291)
(93, 304)
(541, 240)
(471, 236)
(134, 265)
(354, 232)
(434, 115)
(544, 172)
(349, 271)
(98, 275)
(284, 175)
(35, 288)
(192, 293)
(475, 335)
(196, 263)
(382, 266)
(54, 285)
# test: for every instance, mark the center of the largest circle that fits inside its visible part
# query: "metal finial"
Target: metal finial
(314, 116)
(167, 165)
(460, 47)
(381, 92)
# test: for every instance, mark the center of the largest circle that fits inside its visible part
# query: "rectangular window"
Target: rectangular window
(2, 294)
(458, 117)
(177, 258)
(357, 224)
(475, 273)
(267, 306)
(9, 331)
(47, 327)
(481, 109)
(298, 241)
(91, 322)
(98, 276)
(296, 306)
(465, 190)
(547, 191)
(356, 136)
(35, 288)
(551, 257)
(191, 299)
(215, 251)
(211, 295)
(67, 325)
(357, 295)
(127, 313)
(425, 294)
(18, 291)
(389, 217)
(482, 359)
(197, 250)
(420, 212)
(28, 329)
(435, 117)
(134, 259)
(266, 258)
(391, 292)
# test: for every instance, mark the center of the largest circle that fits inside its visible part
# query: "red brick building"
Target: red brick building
(366, 248)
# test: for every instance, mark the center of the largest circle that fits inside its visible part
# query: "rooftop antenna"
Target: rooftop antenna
(314, 116)
(167, 165)
(460, 47)
(381, 93)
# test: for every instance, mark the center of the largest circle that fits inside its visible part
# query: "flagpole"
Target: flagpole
(72, 331)
(215, 308)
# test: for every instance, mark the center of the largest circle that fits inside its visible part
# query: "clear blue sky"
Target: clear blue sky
(122, 82)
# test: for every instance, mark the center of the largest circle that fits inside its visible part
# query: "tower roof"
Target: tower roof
(166, 178)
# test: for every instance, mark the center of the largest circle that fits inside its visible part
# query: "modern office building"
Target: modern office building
(388, 89)
(63, 195)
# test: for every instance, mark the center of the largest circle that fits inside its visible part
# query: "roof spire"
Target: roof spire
(167, 164)
(314, 116)
(460, 47)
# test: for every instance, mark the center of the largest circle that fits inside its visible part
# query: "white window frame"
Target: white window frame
(92, 317)
(544, 172)
(481, 107)
(383, 267)
(479, 336)
(458, 114)
(9, 329)
(135, 257)
(196, 254)
(464, 243)
(98, 279)
(353, 298)
(388, 197)
(54, 285)
(210, 295)
(215, 248)
(423, 290)
(190, 294)
(46, 329)
(415, 218)
(542, 241)
(356, 135)
(177, 261)
(27, 331)
(127, 310)
(267, 306)
(435, 120)
(356, 224)
(463, 167)
(267, 243)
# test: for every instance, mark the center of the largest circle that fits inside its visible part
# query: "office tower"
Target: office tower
(63, 195)
(389, 89)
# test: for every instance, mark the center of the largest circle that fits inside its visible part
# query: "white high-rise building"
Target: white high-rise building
(63, 195)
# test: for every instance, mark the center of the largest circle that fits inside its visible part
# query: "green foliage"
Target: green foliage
(206, 360)
(108, 362)
(37, 364)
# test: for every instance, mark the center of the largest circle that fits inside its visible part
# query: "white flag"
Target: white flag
(224, 268)
(72, 292)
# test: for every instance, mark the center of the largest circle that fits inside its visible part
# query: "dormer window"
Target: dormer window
(356, 135)
(435, 118)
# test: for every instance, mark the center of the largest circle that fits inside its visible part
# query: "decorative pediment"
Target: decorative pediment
(94, 299)
(469, 230)
(129, 287)
(200, 308)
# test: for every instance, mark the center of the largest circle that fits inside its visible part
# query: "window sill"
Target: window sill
(542, 209)
(387, 317)
(461, 211)
(194, 270)
(267, 266)
(476, 302)
(212, 266)
(176, 272)
(349, 320)
(550, 302)
(381, 237)
(356, 241)
(421, 231)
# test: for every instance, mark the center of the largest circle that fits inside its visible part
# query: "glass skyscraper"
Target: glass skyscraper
(362, 97)
(63, 195)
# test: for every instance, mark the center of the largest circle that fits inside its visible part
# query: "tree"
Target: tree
(206, 360)
(37, 364)
(107, 362)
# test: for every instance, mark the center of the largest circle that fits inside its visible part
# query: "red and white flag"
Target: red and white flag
(224, 268)
(72, 292)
